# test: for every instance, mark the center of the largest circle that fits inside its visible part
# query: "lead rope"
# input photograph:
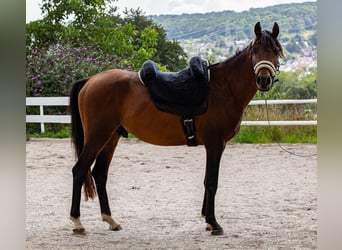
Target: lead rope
(277, 141)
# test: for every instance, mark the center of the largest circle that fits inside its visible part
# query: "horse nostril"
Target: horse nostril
(258, 79)
(268, 80)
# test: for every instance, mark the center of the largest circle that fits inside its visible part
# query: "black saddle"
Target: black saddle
(182, 93)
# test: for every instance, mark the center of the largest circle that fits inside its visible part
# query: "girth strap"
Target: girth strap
(189, 129)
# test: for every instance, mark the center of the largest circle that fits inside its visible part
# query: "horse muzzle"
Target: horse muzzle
(264, 83)
(265, 72)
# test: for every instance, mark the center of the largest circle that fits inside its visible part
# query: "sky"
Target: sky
(153, 7)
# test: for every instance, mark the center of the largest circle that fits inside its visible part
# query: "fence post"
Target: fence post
(41, 113)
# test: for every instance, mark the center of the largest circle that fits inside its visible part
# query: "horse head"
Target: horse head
(266, 51)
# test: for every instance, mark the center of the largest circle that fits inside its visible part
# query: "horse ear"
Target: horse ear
(257, 29)
(275, 30)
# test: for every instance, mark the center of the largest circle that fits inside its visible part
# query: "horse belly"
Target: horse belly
(147, 123)
(156, 129)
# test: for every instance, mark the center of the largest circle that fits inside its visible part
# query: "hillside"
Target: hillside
(293, 19)
(219, 34)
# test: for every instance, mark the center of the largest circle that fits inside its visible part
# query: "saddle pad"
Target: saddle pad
(183, 93)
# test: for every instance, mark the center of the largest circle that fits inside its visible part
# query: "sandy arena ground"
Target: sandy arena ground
(266, 198)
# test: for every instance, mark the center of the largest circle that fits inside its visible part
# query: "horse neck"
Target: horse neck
(235, 78)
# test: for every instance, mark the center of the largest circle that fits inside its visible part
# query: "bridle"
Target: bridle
(265, 64)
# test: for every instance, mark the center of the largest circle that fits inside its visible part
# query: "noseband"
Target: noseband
(266, 65)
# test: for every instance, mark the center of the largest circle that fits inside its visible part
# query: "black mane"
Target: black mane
(237, 53)
(266, 40)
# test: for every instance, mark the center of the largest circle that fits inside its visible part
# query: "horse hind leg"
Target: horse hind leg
(81, 172)
(100, 174)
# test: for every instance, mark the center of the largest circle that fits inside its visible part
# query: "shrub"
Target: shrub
(51, 70)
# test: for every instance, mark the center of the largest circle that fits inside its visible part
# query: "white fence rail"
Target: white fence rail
(64, 101)
(41, 118)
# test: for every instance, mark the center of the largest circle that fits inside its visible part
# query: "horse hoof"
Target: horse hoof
(116, 228)
(79, 231)
(217, 231)
(209, 228)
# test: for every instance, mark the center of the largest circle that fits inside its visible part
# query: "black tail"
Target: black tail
(78, 135)
(76, 125)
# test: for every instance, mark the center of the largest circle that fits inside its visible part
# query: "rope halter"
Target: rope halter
(265, 65)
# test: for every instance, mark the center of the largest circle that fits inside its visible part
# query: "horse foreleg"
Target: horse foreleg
(204, 208)
(100, 173)
(214, 154)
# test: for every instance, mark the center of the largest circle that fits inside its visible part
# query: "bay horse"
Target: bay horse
(102, 104)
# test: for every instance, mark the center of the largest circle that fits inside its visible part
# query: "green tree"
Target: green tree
(94, 23)
(65, 19)
(167, 53)
(91, 24)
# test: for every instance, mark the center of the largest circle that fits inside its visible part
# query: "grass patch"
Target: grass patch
(61, 131)
(59, 135)
(282, 134)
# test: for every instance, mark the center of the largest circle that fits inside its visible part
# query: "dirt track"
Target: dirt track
(266, 198)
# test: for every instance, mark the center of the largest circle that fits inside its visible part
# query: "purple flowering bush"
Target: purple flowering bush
(51, 70)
